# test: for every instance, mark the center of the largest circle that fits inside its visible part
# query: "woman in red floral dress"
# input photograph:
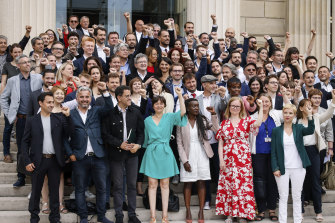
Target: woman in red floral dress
(235, 195)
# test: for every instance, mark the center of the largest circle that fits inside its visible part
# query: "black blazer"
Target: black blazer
(279, 102)
(32, 141)
(112, 132)
(33, 105)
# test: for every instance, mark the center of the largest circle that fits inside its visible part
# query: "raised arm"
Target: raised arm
(260, 114)
(181, 101)
(128, 20)
(311, 43)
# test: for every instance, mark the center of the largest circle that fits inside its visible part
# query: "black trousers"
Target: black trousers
(51, 168)
(312, 185)
(265, 187)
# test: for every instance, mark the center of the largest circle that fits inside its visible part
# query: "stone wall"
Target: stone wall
(266, 17)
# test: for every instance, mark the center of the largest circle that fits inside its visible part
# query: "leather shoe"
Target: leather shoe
(106, 220)
(8, 159)
(118, 219)
(19, 183)
(134, 219)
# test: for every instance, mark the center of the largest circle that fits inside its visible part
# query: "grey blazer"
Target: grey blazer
(217, 102)
(10, 97)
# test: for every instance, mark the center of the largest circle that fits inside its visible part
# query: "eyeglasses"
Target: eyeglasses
(273, 82)
(235, 106)
(57, 48)
(251, 69)
(74, 21)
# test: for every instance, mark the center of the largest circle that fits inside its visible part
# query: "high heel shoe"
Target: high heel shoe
(188, 220)
(152, 220)
(165, 220)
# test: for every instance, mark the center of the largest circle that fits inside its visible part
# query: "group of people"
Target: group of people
(95, 108)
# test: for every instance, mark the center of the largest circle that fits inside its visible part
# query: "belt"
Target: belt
(90, 154)
(21, 116)
(48, 156)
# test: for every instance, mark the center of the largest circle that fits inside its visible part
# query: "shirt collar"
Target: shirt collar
(22, 77)
(120, 109)
(89, 107)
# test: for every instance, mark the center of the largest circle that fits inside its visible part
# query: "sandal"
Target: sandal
(260, 216)
(45, 208)
(273, 216)
(62, 209)
(152, 220)
(165, 220)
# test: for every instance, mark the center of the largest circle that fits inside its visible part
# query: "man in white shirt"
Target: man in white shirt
(236, 60)
(190, 83)
(57, 49)
(277, 60)
(73, 23)
(100, 38)
(138, 29)
(312, 64)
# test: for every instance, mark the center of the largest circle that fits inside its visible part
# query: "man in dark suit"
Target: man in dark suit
(88, 47)
(43, 153)
(123, 134)
(141, 64)
(86, 151)
(48, 78)
(84, 30)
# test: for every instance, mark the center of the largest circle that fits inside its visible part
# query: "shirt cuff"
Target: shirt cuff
(106, 94)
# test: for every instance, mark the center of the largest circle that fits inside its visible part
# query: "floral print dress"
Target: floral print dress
(235, 194)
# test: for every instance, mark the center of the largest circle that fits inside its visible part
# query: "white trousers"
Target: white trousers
(297, 177)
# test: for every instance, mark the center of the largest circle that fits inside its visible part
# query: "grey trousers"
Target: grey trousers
(117, 168)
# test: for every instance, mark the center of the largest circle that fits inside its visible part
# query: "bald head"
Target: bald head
(139, 25)
(230, 32)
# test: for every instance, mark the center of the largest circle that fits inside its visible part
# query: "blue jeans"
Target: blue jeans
(96, 168)
(6, 136)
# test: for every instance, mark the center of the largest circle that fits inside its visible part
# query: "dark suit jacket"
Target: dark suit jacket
(135, 74)
(112, 132)
(80, 132)
(81, 33)
(155, 44)
(33, 105)
(318, 85)
(279, 102)
(32, 141)
(277, 145)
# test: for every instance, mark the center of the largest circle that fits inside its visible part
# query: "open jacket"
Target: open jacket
(277, 145)
(183, 139)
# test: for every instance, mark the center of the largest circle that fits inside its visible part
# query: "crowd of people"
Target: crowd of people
(96, 108)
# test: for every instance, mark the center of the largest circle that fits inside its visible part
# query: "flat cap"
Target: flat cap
(208, 78)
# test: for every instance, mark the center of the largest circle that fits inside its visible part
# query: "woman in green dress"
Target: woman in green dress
(158, 161)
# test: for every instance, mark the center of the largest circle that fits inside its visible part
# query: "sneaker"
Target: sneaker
(19, 183)
(175, 179)
(207, 206)
(29, 195)
(106, 220)
(73, 195)
(89, 195)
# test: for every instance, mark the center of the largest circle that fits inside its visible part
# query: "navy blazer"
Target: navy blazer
(32, 141)
(80, 132)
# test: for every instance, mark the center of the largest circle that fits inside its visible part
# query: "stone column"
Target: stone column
(227, 14)
(16, 14)
(304, 15)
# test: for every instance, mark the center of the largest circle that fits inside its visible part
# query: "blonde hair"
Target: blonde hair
(242, 114)
(290, 106)
(59, 75)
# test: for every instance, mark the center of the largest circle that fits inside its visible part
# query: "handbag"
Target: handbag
(328, 175)
(173, 205)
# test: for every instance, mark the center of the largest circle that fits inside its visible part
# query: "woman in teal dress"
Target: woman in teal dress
(158, 161)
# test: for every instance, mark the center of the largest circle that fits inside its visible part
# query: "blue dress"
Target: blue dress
(158, 160)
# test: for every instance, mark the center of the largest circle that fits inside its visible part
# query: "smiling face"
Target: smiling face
(158, 107)
(235, 107)
(307, 106)
(189, 66)
(175, 56)
(3, 45)
(255, 87)
(84, 99)
(316, 100)
(47, 105)
(137, 86)
(59, 96)
(263, 55)
(67, 72)
(191, 85)
(153, 56)
(164, 66)
(323, 74)
(115, 63)
(267, 103)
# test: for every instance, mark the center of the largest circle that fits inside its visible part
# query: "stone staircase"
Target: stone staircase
(14, 202)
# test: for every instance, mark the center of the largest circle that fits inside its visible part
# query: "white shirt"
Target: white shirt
(292, 157)
(83, 116)
(207, 103)
(241, 75)
(86, 32)
(141, 75)
(164, 49)
(309, 140)
(101, 53)
(138, 36)
(197, 93)
(124, 122)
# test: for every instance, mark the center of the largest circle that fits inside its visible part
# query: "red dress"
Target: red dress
(235, 195)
